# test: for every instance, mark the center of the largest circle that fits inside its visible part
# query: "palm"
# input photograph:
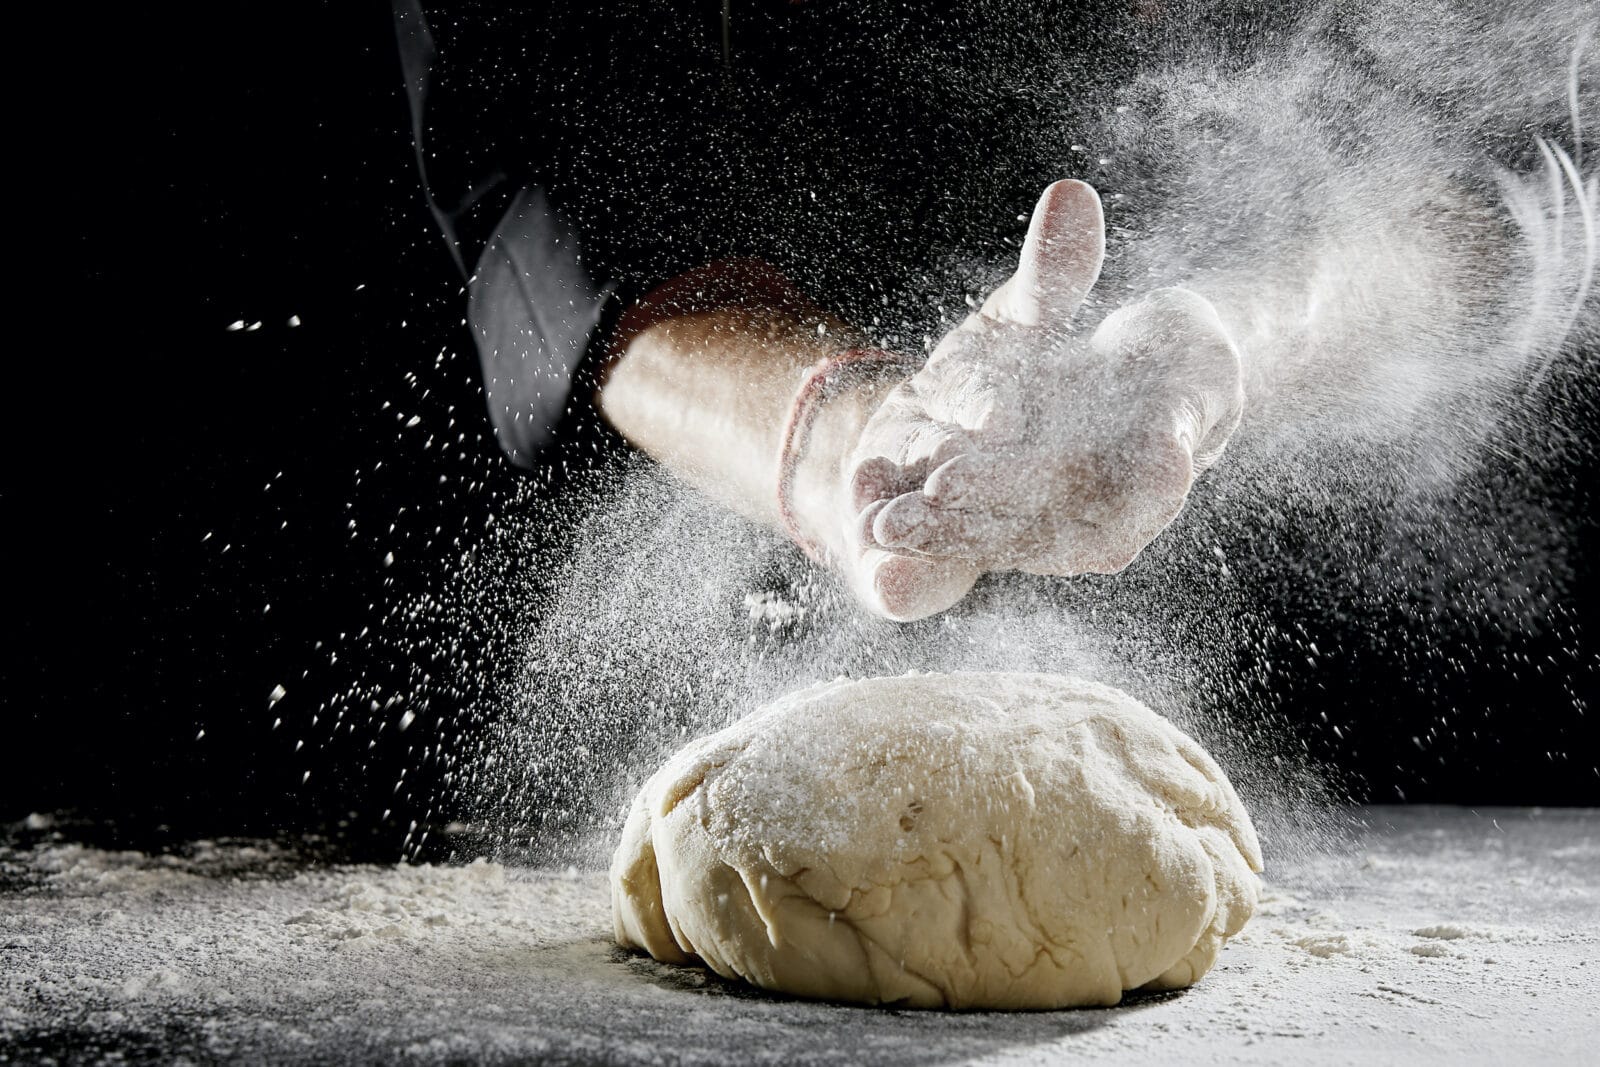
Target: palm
(1024, 445)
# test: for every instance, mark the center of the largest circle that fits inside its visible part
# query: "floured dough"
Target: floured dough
(941, 840)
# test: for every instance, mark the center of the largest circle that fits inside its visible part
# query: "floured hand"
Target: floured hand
(1024, 445)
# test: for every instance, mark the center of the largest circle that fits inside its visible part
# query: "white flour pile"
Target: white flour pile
(1453, 939)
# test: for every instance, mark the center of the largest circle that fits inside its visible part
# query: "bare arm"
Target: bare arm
(706, 374)
(703, 377)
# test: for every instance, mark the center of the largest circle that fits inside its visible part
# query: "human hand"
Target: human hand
(1022, 445)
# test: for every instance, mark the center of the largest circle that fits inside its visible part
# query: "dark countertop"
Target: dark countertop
(1424, 934)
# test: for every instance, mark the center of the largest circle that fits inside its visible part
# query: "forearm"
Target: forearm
(703, 377)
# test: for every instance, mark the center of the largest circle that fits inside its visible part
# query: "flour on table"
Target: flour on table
(247, 951)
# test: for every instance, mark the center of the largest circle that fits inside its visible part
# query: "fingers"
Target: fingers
(1102, 524)
(905, 589)
(919, 449)
(976, 479)
(1174, 347)
(910, 523)
(1078, 546)
(1177, 339)
(1061, 256)
(1065, 513)
(900, 587)
(960, 514)
(876, 479)
(905, 431)
(861, 530)
(978, 511)
(1153, 469)
(881, 479)
(1086, 492)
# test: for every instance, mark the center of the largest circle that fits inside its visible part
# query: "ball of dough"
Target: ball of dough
(941, 840)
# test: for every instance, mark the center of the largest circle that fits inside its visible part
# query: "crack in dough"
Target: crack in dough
(941, 841)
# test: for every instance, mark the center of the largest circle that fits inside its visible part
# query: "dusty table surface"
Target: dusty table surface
(1432, 934)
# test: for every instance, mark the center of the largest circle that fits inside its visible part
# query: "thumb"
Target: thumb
(1061, 255)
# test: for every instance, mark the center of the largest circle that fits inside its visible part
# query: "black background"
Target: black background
(192, 168)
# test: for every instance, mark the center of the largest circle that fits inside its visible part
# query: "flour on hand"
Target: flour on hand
(978, 840)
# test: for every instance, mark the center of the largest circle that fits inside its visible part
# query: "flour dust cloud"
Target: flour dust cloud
(1394, 208)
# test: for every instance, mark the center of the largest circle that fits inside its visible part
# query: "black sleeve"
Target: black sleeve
(536, 312)
(537, 305)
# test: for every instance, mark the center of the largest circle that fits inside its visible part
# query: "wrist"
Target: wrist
(830, 410)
